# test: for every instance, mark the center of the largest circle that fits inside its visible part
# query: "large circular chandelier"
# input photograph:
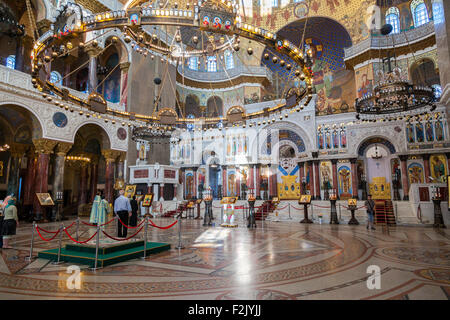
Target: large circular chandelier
(394, 98)
(210, 17)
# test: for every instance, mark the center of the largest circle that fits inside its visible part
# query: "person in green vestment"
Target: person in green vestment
(99, 210)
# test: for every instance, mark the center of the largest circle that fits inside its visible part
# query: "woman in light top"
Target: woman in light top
(10, 222)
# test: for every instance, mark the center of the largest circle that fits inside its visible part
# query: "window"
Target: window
(419, 12)
(392, 18)
(55, 78)
(437, 91)
(212, 64)
(229, 62)
(438, 12)
(274, 3)
(193, 63)
(11, 62)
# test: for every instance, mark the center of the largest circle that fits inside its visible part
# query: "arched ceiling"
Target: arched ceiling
(326, 35)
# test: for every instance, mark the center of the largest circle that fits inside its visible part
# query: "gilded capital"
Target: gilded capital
(92, 51)
(124, 66)
(110, 155)
(17, 150)
(122, 156)
(44, 146)
(62, 148)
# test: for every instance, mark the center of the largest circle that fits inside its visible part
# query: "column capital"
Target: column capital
(92, 51)
(17, 150)
(124, 66)
(426, 156)
(224, 167)
(301, 164)
(44, 146)
(122, 156)
(43, 26)
(403, 157)
(110, 155)
(315, 154)
(353, 160)
(62, 148)
(194, 169)
(334, 161)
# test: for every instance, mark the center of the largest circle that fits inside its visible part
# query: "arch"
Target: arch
(38, 130)
(361, 149)
(424, 73)
(101, 132)
(214, 107)
(192, 105)
(125, 53)
(419, 12)
(393, 18)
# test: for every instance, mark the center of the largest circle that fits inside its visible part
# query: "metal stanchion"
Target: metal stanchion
(180, 245)
(97, 243)
(59, 246)
(145, 238)
(340, 212)
(78, 225)
(32, 242)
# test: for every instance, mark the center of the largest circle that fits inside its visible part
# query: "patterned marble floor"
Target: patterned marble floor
(278, 260)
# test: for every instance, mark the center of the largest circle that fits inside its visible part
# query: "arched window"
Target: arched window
(392, 18)
(55, 78)
(438, 11)
(11, 62)
(419, 12)
(193, 63)
(212, 64)
(274, 3)
(229, 62)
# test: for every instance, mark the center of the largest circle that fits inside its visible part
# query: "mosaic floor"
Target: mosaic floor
(280, 260)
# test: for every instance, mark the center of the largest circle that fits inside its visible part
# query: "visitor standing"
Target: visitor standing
(10, 222)
(370, 205)
(99, 210)
(134, 211)
(122, 209)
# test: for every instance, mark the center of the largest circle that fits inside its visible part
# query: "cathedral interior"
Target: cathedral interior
(252, 134)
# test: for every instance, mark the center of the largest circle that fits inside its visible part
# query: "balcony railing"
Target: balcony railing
(382, 42)
(204, 76)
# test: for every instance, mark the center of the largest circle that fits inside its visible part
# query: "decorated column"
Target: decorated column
(311, 180)
(92, 76)
(44, 148)
(110, 157)
(405, 181)
(124, 67)
(94, 177)
(258, 181)
(426, 167)
(354, 178)
(224, 181)
(28, 190)
(17, 151)
(301, 172)
(251, 175)
(61, 150)
(316, 180)
(121, 168)
(238, 183)
(82, 199)
(335, 176)
(161, 192)
(195, 182)
(183, 183)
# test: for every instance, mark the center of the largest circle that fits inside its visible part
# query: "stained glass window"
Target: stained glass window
(420, 12)
(212, 64)
(11, 62)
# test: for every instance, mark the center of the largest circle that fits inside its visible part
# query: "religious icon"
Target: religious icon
(410, 133)
(134, 18)
(130, 190)
(351, 202)
(343, 139)
(335, 139)
(320, 139)
(415, 171)
(305, 199)
(438, 167)
(419, 132)
(344, 182)
(429, 132)
(142, 152)
(45, 199)
(1, 168)
(439, 131)
(227, 25)
(147, 202)
(206, 21)
(217, 23)
(232, 184)
(328, 140)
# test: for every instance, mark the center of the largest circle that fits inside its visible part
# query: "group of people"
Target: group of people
(124, 208)
(9, 221)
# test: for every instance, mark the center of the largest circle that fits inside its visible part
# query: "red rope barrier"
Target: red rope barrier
(164, 228)
(130, 227)
(282, 208)
(47, 231)
(117, 239)
(37, 229)
(315, 205)
(79, 241)
(93, 225)
(299, 209)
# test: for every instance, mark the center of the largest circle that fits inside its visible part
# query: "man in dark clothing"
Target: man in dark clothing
(134, 211)
(370, 205)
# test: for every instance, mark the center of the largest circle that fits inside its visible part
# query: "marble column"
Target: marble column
(17, 152)
(82, 198)
(274, 168)
(224, 181)
(426, 167)
(448, 160)
(312, 191)
(44, 148)
(183, 183)
(92, 76)
(354, 178)
(195, 183)
(28, 189)
(251, 178)
(121, 168)
(335, 176)
(61, 150)
(317, 180)
(110, 157)
(174, 192)
(301, 175)
(94, 178)
(238, 183)
(258, 181)
(161, 192)
(124, 67)
(405, 180)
